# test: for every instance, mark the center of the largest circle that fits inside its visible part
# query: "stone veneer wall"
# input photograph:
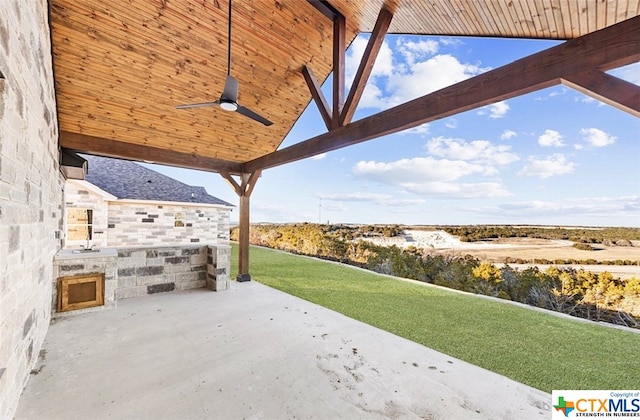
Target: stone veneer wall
(143, 271)
(125, 223)
(30, 192)
(218, 267)
(149, 225)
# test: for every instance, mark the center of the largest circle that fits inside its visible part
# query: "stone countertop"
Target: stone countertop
(73, 254)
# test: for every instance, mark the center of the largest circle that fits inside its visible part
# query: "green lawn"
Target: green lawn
(542, 350)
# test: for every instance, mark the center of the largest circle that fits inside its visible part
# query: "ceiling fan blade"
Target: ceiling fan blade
(229, 99)
(200, 105)
(249, 113)
(230, 89)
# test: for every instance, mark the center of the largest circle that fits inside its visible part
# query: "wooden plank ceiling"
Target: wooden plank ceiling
(122, 67)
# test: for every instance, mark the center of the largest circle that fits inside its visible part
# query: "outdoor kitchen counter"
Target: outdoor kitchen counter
(74, 266)
(73, 254)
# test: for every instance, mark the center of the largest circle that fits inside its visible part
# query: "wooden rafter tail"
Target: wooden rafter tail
(608, 89)
(366, 65)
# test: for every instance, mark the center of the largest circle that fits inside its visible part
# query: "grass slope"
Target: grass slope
(541, 350)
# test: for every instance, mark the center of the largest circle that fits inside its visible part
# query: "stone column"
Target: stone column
(218, 267)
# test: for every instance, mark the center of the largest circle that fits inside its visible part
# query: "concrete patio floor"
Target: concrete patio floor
(254, 352)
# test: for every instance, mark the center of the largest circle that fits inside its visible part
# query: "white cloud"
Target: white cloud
(414, 51)
(416, 70)
(553, 165)
(508, 135)
(588, 99)
(459, 190)
(427, 76)
(551, 138)
(606, 206)
(596, 138)
(406, 202)
(356, 196)
(384, 61)
(630, 73)
(373, 97)
(480, 151)
(453, 42)
(421, 130)
(429, 176)
(497, 110)
(405, 171)
(558, 91)
(334, 207)
(319, 157)
(381, 199)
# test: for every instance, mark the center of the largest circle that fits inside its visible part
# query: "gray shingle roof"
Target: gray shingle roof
(129, 180)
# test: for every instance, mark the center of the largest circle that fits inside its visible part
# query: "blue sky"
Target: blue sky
(552, 157)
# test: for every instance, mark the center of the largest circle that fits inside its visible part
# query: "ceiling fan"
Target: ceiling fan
(229, 99)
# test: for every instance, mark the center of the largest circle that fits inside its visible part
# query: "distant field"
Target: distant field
(498, 250)
(549, 249)
(530, 249)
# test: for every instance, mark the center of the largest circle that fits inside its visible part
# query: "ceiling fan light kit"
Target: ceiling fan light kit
(229, 99)
(228, 105)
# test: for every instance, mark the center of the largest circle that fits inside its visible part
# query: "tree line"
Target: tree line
(610, 236)
(597, 297)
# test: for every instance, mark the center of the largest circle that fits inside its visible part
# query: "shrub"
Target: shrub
(583, 246)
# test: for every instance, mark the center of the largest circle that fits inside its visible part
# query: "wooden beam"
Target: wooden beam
(339, 30)
(318, 96)
(366, 65)
(325, 8)
(232, 183)
(121, 150)
(609, 48)
(246, 185)
(608, 89)
(250, 183)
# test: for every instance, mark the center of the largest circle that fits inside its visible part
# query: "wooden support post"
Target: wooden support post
(243, 240)
(339, 29)
(244, 190)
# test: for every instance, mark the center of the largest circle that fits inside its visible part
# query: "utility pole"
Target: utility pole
(320, 212)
